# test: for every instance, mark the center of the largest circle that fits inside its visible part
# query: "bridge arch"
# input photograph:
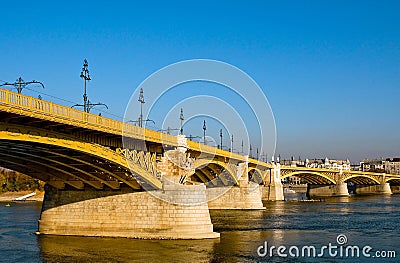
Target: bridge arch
(361, 179)
(311, 177)
(393, 180)
(209, 170)
(51, 160)
(256, 175)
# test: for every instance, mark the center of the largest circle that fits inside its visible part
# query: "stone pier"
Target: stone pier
(127, 213)
(373, 189)
(272, 189)
(246, 195)
(395, 189)
(334, 190)
(177, 211)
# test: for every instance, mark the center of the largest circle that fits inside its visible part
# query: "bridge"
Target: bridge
(109, 178)
(329, 182)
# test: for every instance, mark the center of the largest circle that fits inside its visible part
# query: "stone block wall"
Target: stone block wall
(127, 213)
(235, 197)
(373, 189)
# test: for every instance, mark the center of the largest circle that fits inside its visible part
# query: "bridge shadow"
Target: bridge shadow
(96, 249)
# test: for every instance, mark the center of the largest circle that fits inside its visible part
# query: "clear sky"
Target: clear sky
(330, 69)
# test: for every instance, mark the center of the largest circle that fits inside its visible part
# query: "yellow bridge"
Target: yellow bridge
(73, 150)
(61, 145)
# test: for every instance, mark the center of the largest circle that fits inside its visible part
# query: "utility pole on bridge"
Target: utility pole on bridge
(141, 101)
(86, 77)
(204, 132)
(20, 84)
(220, 138)
(87, 105)
(182, 118)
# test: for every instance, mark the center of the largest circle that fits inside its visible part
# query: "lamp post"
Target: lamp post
(87, 105)
(86, 77)
(168, 130)
(204, 132)
(220, 138)
(141, 101)
(251, 149)
(182, 118)
(232, 143)
(191, 137)
(20, 84)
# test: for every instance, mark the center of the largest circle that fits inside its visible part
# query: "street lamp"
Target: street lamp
(191, 137)
(20, 84)
(182, 118)
(87, 105)
(204, 132)
(86, 77)
(168, 130)
(141, 101)
(232, 143)
(220, 136)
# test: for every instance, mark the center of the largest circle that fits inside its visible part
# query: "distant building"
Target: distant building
(328, 164)
(292, 162)
(381, 165)
(392, 166)
(374, 165)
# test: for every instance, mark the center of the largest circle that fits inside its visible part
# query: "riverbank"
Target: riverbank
(11, 196)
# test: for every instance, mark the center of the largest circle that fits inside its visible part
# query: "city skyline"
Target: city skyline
(330, 72)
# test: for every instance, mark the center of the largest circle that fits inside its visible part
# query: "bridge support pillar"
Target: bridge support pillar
(128, 213)
(246, 195)
(373, 189)
(272, 190)
(395, 189)
(334, 190)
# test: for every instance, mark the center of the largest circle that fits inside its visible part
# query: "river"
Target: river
(372, 221)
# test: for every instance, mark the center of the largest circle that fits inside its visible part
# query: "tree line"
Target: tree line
(12, 181)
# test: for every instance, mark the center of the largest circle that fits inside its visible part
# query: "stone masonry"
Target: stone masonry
(127, 213)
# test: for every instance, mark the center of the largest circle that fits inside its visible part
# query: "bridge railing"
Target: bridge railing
(67, 113)
(51, 111)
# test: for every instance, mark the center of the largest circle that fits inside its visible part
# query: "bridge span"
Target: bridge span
(109, 178)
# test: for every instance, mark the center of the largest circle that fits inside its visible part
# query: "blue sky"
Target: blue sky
(330, 69)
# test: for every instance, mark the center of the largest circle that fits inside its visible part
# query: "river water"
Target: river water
(365, 221)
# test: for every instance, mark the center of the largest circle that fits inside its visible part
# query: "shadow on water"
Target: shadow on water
(95, 249)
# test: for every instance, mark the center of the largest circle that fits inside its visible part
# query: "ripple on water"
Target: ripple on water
(370, 221)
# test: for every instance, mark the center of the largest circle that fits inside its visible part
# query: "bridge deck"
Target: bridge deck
(22, 105)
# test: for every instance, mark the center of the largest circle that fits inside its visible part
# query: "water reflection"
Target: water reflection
(91, 249)
(369, 220)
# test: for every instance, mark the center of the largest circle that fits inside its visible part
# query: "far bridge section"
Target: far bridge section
(330, 183)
